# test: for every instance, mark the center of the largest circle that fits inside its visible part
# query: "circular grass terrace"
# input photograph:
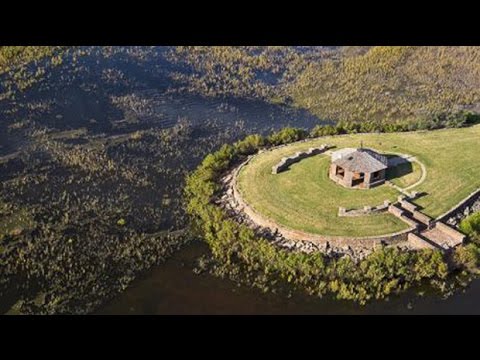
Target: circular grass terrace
(304, 198)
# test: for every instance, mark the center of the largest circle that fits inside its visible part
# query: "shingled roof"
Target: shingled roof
(361, 160)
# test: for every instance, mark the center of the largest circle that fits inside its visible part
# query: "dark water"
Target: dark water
(173, 288)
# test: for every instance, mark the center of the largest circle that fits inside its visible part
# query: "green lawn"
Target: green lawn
(304, 198)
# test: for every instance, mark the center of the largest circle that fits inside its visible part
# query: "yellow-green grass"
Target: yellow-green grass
(303, 197)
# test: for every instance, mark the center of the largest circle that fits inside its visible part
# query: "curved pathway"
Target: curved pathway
(422, 177)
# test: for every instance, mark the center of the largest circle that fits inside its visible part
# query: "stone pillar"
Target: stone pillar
(347, 180)
(367, 179)
(333, 170)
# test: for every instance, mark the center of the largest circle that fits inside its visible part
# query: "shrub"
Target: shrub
(250, 144)
(324, 130)
(471, 226)
(286, 136)
(467, 257)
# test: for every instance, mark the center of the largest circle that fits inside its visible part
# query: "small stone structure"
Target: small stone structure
(298, 156)
(366, 210)
(358, 168)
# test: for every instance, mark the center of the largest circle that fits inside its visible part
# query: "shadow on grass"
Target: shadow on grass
(399, 170)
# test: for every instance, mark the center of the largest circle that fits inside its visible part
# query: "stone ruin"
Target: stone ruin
(366, 210)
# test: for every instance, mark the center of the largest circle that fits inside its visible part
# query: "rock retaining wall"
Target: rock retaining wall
(464, 208)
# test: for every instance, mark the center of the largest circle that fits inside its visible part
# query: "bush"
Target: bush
(430, 122)
(467, 257)
(471, 226)
(324, 130)
(287, 135)
(250, 144)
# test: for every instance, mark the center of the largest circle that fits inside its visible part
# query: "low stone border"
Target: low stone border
(464, 203)
(422, 167)
(285, 163)
(365, 211)
(409, 158)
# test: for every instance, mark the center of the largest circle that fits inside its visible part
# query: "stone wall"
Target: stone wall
(400, 213)
(407, 205)
(413, 209)
(365, 211)
(451, 232)
(418, 243)
(424, 219)
(395, 210)
(285, 163)
(464, 208)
